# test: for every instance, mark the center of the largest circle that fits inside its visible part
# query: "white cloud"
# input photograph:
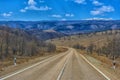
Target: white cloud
(79, 1)
(96, 18)
(64, 19)
(102, 10)
(22, 10)
(41, 8)
(60, 16)
(31, 2)
(32, 6)
(56, 16)
(96, 12)
(97, 3)
(69, 15)
(7, 14)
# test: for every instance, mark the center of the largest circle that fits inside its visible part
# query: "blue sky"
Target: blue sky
(36, 10)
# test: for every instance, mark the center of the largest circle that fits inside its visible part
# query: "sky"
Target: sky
(39, 10)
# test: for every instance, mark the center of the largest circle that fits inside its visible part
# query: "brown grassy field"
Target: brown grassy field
(21, 60)
(99, 39)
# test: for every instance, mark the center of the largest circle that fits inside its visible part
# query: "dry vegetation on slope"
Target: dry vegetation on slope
(103, 46)
(86, 39)
(106, 42)
(17, 43)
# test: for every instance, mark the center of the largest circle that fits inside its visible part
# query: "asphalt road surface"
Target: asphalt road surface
(64, 66)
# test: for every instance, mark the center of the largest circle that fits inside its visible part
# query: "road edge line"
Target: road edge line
(24, 69)
(95, 67)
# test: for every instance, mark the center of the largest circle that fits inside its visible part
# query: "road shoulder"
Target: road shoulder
(106, 69)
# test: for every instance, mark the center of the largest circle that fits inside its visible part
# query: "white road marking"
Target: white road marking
(95, 67)
(59, 76)
(62, 70)
(6, 77)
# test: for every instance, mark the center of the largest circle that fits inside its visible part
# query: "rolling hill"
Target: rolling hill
(52, 29)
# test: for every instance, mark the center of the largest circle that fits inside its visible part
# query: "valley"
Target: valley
(59, 39)
(88, 51)
(100, 48)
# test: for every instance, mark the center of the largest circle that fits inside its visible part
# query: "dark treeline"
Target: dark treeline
(78, 46)
(17, 42)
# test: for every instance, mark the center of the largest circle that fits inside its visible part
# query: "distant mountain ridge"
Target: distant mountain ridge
(65, 27)
(52, 29)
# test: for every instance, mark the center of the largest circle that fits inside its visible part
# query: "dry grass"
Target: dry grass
(104, 64)
(99, 40)
(8, 62)
(61, 49)
(102, 58)
(20, 60)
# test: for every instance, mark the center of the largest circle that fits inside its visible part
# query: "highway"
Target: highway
(69, 65)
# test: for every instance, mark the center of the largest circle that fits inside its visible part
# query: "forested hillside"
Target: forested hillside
(18, 42)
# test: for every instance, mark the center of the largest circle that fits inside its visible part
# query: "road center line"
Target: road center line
(63, 68)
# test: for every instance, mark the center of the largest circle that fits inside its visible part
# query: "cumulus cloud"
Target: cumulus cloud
(103, 9)
(22, 10)
(56, 16)
(97, 3)
(31, 2)
(79, 1)
(41, 8)
(32, 5)
(96, 18)
(64, 19)
(69, 15)
(7, 14)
